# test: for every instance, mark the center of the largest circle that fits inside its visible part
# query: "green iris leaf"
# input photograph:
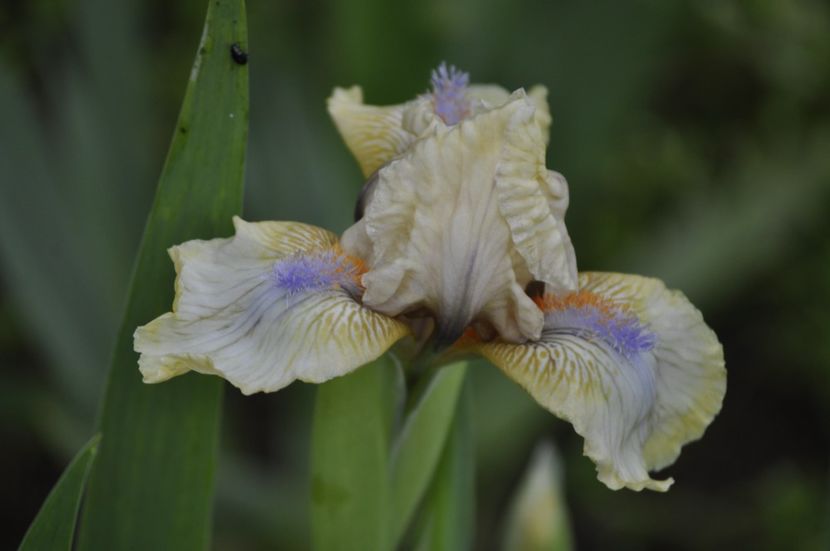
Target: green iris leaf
(353, 417)
(367, 478)
(419, 445)
(152, 485)
(54, 526)
(448, 512)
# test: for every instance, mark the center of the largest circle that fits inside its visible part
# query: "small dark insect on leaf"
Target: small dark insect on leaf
(238, 54)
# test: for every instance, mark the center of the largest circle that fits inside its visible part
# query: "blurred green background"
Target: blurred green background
(696, 140)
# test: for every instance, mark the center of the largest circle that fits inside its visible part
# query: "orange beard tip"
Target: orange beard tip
(470, 337)
(355, 266)
(577, 300)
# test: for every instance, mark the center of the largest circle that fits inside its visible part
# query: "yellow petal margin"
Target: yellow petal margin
(377, 134)
(373, 134)
(489, 96)
(233, 316)
(635, 411)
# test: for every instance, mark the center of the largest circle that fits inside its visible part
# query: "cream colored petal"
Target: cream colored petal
(419, 118)
(254, 310)
(374, 135)
(526, 181)
(691, 380)
(539, 95)
(555, 190)
(487, 96)
(447, 216)
(530, 200)
(635, 401)
(377, 134)
(490, 96)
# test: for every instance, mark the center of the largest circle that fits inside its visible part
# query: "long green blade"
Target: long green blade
(449, 507)
(349, 459)
(152, 485)
(420, 443)
(54, 525)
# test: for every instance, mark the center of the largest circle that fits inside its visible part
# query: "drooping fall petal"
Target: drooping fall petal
(273, 304)
(631, 365)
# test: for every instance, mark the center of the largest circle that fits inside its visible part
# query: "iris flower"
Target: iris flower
(460, 244)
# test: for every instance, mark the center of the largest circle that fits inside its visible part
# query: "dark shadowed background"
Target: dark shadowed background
(696, 140)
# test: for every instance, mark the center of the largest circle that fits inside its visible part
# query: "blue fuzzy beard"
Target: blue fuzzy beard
(449, 94)
(621, 330)
(315, 272)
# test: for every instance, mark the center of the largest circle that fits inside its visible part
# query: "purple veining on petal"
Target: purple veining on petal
(449, 93)
(314, 272)
(621, 330)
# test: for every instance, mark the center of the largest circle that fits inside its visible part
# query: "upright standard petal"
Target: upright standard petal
(485, 97)
(372, 133)
(275, 303)
(631, 365)
(463, 220)
(377, 134)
